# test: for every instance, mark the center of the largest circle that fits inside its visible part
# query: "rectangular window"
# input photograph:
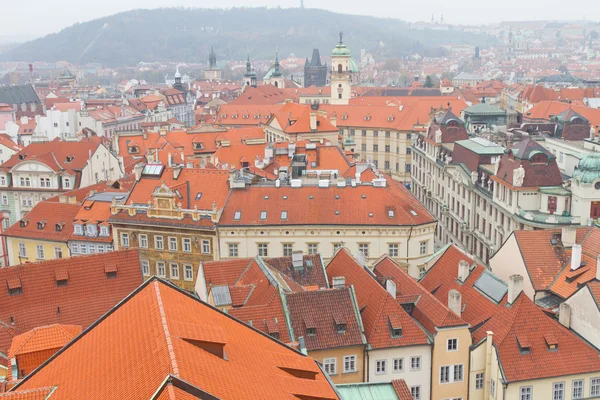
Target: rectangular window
(364, 133)
(288, 248)
(233, 249)
(143, 241)
(349, 364)
(284, 215)
(398, 365)
(329, 366)
(158, 242)
(375, 147)
(364, 248)
(22, 250)
(174, 271)
(577, 389)
(40, 252)
(415, 363)
(493, 388)
(172, 244)
(66, 183)
(336, 246)
(263, 215)
(458, 373)
(452, 345)
(479, 381)
(558, 391)
(375, 133)
(526, 393)
(205, 246)
(595, 387)
(145, 267)
(363, 147)
(387, 148)
(380, 367)
(187, 245)
(45, 182)
(189, 272)
(445, 374)
(393, 249)
(407, 168)
(416, 392)
(313, 248)
(58, 253)
(423, 247)
(125, 239)
(160, 269)
(4, 200)
(263, 250)
(386, 165)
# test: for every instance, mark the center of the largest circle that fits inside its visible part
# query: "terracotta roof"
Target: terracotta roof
(311, 273)
(187, 340)
(429, 311)
(87, 295)
(43, 338)
(393, 205)
(378, 308)
(402, 390)
(263, 94)
(42, 221)
(245, 114)
(326, 311)
(545, 109)
(6, 140)
(31, 394)
(294, 118)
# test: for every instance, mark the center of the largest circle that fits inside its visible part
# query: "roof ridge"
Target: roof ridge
(163, 318)
(31, 332)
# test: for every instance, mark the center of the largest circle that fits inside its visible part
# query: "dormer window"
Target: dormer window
(134, 150)
(23, 223)
(22, 156)
(3, 180)
(311, 331)
(257, 117)
(551, 341)
(67, 183)
(391, 118)
(69, 159)
(41, 224)
(245, 116)
(78, 229)
(198, 145)
(524, 344)
(344, 116)
(223, 116)
(538, 158)
(367, 117)
(340, 327)
(59, 227)
(104, 231)
(90, 230)
(234, 116)
(395, 326)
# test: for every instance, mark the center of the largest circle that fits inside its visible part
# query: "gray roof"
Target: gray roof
(484, 109)
(18, 94)
(221, 295)
(491, 286)
(481, 146)
(468, 77)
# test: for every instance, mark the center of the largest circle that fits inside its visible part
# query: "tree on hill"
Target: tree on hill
(428, 82)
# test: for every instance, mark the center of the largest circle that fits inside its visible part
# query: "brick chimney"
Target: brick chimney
(568, 235)
(515, 287)
(455, 301)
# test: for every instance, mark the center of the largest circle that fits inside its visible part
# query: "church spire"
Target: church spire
(276, 71)
(212, 58)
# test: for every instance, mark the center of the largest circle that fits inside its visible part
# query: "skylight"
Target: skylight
(391, 213)
(237, 215)
(263, 215)
(284, 214)
(198, 195)
(413, 212)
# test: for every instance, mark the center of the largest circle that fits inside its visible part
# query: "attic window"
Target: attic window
(14, 286)
(311, 197)
(237, 215)
(59, 226)
(551, 341)
(311, 331)
(110, 271)
(23, 223)
(224, 116)
(337, 212)
(22, 156)
(284, 197)
(198, 145)
(62, 278)
(538, 159)
(395, 326)
(198, 195)
(41, 224)
(234, 116)
(257, 116)
(337, 196)
(390, 118)
(284, 214)
(69, 159)
(344, 116)
(340, 328)
(178, 193)
(245, 116)
(367, 117)
(134, 149)
(371, 215)
(363, 196)
(413, 212)
(263, 215)
(524, 344)
(391, 213)
(266, 197)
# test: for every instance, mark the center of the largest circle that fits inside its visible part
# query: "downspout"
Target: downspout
(488, 362)
(408, 241)
(4, 253)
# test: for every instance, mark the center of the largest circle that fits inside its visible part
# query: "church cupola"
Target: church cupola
(341, 73)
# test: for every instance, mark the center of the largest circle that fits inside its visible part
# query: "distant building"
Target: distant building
(341, 74)
(212, 73)
(463, 79)
(249, 75)
(274, 76)
(315, 72)
(23, 99)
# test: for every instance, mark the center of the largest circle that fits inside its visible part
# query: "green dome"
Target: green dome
(588, 169)
(340, 50)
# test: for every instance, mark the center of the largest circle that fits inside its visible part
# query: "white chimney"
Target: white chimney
(568, 236)
(137, 171)
(277, 183)
(357, 178)
(515, 287)
(463, 271)
(313, 120)
(338, 282)
(455, 301)
(575, 257)
(564, 315)
(297, 259)
(390, 286)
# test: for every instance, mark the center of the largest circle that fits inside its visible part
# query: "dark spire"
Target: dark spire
(341, 35)
(212, 59)
(276, 71)
(248, 65)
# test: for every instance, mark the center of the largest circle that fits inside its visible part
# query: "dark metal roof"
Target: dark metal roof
(18, 94)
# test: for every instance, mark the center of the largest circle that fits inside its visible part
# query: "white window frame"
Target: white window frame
(526, 393)
(350, 361)
(362, 247)
(143, 241)
(104, 231)
(157, 239)
(415, 391)
(4, 199)
(262, 249)
(461, 368)
(445, 374)
(145, 267)
(39, 252)
(595, 386)
(312, 248)
(58, 252)
(412, 363)
(22, 249)
(393, 249)
(188, 268)
(395, 363)
(380, 367)
(124, 239)
(576, 395)
(479, 380)
(288, 249)
(205, 246)
(172, 242)
(164, 268)
(423, 244)
(187, 245)
(453, 347)
(171, 274)
(233, 250)
(560, 386)
(330, 365)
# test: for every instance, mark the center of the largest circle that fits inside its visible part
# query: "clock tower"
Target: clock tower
(341, 74)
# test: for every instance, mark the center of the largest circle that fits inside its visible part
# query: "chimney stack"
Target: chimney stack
(137, 171)
(313, 120)
(390, 286)
(564, 315)
(297, 260)
(515, 287)
(455, 301)
(463, 271)
(568, 236)
(338, 282)
(575, 257)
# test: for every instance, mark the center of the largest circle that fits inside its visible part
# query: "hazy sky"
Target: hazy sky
(40, 17)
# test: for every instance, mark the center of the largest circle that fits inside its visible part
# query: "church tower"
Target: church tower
(274, 76)
(341, 74)
(249, 75)
(212, 73)
(178, 84)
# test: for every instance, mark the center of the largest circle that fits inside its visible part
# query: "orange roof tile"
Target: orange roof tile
(187, 340)
(295, 118)
(43, 338)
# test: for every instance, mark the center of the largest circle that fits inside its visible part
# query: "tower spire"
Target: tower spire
(341, 35)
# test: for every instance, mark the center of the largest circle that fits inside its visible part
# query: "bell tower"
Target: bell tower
(341, 78)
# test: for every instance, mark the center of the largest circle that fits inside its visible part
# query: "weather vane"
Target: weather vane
(341, 34)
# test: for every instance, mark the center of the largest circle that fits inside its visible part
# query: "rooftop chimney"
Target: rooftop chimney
(137, 171)
(297, 259)
(313, 120)
(463, 271)
(568, 236)
(390, 286)
(598, 267)
(515, 287)
(455, 301)
(575, 256)
(338, 282)
(564, 315)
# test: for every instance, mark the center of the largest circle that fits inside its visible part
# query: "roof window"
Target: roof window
(263, 215)
(237, 215)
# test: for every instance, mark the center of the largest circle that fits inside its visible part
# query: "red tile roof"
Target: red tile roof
(30, 394)
(429, 311)
(402, 390)
(41, 338)
(312, 272)
(361, 205)
(545, 109)
(325, 310)
(377, 306)
(6, 140)
(294, 118)
(43, 220)
(87, 295)
(185, 339)
(245, 114)
(260, 95)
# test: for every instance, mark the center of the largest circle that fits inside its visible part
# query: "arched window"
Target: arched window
(453, 124)
(340, 85)
(276, 84)
(538, 159)
(340, 68)
(576, 121)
